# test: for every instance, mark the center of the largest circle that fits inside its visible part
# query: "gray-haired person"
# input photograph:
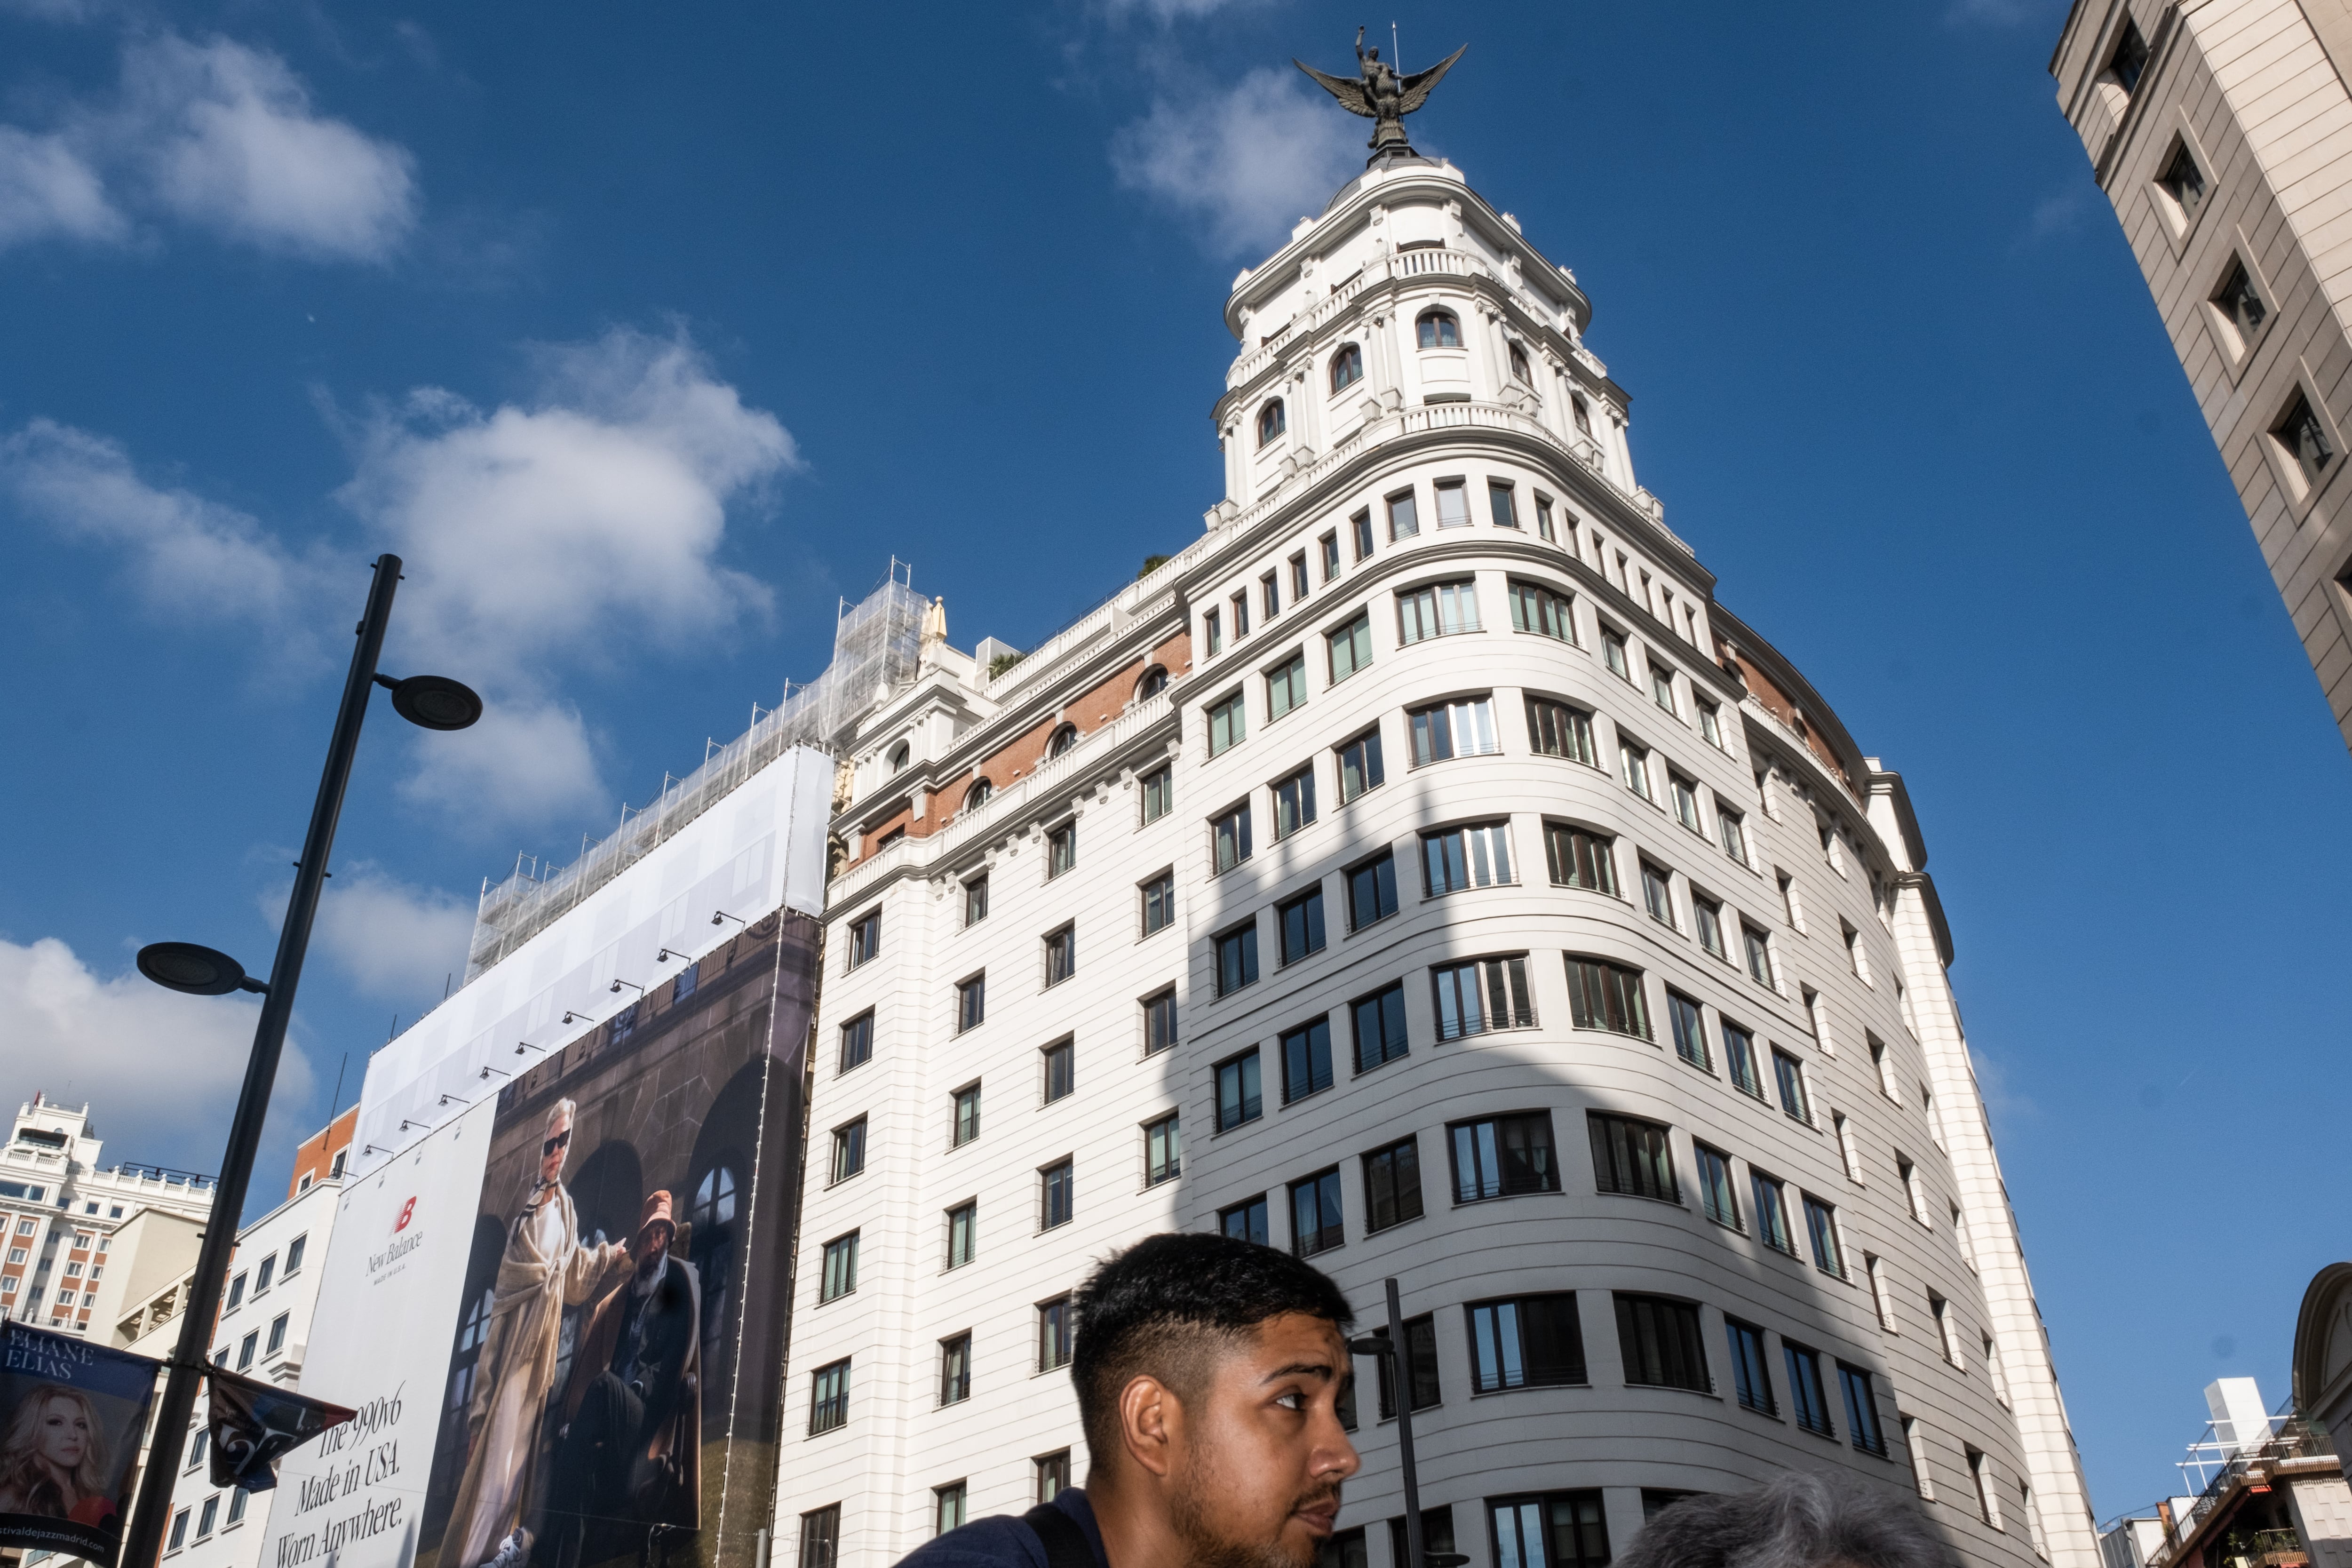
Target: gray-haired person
(1804, 1519)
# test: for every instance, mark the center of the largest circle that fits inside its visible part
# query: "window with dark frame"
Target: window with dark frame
(1472, 856)
(1293, 802)
(865, 938)
(2240, 303)
(1500, 502)
(1371, 890)
(1159, 896)
(1453, 498)
(963, 1234)
(1503, 1157)
(1057, 1071)
(1527, 1341)
(1862, 1424)
(1329, 545)
(829, 1398)
(1053, 1475)
(1350, 648)
(1359, 765)
(1228, 724)
(1300, 922)
(1239, 1098)
(1788, 1073)
(858, 1041)
(1436, 610)
(1482, 996)
(971, 1003)
(1377, 1021)
(2129, 60)
(975, 900)
(1393, 1185)
(1229, 838)
(1752, 1379)
(1056, 1194)
(1237, 959)
(2183, 181)
(1285, 687)
(1307, 1060)
(848, 1149)
(1159, 794)
(821, 1537)
(1605, 996)
(1739, 1055)
(1421, 1351)
(1808, 1401)
(1158, 1021)
(1821, 1232)
(1360, 527)
(1771, 1200)
(1244, 1221)
(1552, 1529)
(1061, 849)
(1663, 1346)
(1463, 727)
(967, 1116)
(1061, 954)
(1163, 1150)
(1315, 1222)
(1556, 730)
(1404, 517)
(1689, 1030)
(1633, 1157)
(1580, 858)
(1718, 1199)
(2305, 439)
(1543, 611)
(1056, 1333)
(955, 1369)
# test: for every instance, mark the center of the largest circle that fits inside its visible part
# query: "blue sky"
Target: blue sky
(644, 334)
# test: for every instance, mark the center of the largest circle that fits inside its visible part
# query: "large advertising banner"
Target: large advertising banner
(560, 1315)
(71, 1417)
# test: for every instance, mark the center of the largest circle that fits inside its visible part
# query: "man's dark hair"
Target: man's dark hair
(1158, 1305)
(1802, 1520)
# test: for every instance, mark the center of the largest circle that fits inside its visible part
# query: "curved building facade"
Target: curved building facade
(1423, 871)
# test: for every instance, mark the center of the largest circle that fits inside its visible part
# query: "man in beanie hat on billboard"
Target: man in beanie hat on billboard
(627, 1453)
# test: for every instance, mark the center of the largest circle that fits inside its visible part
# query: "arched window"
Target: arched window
(1154, 683)
(978, 794)
(1520, 364)
(900, 754)
(1347, 367)
(1583, 416)
(1064, 739)
(1439, 329)
(1271, 422)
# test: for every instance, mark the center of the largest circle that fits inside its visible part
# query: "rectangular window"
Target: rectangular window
(1293, 802)
(1059, 1070)
(1718, 1199)
(821, 1538)
(1732, 829)
(1689, 1030)
(1302, 925)
(1498, 504)
(1061, 955)
(1245, 1220)
(971, 1003)
(1421, 1352)
(1442, 609)
(1750, 1380)
(236, 1502)
(1159, 903)
(1307, 1060)
(1452, 503)
(1771, 1213)
(967, 1116)
(858, 1041)
(1533, 1342)
(198, 1444)
(1053, 1475)
(1580, 858)
(1163, 1150)
(1159, 794)
(1359, 765)
(1544, 529)
(1285, 687)
(1237, 959)
(1404, 518)
(1658, 895)
(1555, 730)
(1379, 1021)
(1056, 1194)
(1482, 996)
(1662, 687)
(1739, 1053)
(1759, 953)
(849, 1149)
(2305, 440)
(1299, 585)
(1633, 1157)
(1557, 1529)
(1227, 724)
(1808, 1402)
(1350, 646)
(1820, 1229)
(1056, 1333)
(1604, 995)
(1238, 1098)
(1212, 632)
(829, 1398)
(1459, 858)
(1329, 544)
(1158, 1021)
(1393, 1185)
(1462, 727)
(1791, 1076)
(1503, 1157)
(947, 1507)
(840, 1268)
(2130, 57)
(236, 1286)
(963, 1234)
(1612, 649)
(1861, 1411)
(206, 1518)
(1634, 765)
(1685, 798)
(2242, 303)
(1315, 1225)
(1061, 849)
(1661, 1342)
(1371, 891)
(865, 938)
(1980, 1471)
(1239, 605)
(1229, 838)
(178, 1529)
(1543, 611)
(1710, 723)
(277, 1334)
(1359, 529)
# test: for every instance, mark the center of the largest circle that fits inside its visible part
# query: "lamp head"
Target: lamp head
(433, 701)
(195, 971)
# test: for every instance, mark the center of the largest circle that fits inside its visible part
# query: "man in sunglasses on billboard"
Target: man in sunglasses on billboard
(544, 1269)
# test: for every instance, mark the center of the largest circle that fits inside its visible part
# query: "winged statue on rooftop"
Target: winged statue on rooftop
(1381, 95)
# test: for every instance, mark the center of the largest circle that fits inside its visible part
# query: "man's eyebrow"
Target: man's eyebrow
(1298, 1368)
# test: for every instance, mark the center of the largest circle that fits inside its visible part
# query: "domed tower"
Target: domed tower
(1423, 872)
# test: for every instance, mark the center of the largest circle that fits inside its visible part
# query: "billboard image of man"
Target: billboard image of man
(630, 1447)
(545, 1268)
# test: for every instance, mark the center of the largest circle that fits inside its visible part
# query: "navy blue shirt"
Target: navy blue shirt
(1003, 1541)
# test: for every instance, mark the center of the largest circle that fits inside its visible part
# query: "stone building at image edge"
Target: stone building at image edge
(1423, 872)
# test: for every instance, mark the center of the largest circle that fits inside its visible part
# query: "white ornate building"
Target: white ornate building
(1423, 871)
(2221, 132)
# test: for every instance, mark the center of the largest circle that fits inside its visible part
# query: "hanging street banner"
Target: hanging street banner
(255, 1423)
(560, 1313)
(72, 1416)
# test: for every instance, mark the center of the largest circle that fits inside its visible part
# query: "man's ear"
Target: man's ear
(1151, 1424)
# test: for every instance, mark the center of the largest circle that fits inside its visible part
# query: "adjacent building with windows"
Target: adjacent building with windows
(2221, 132)
(1424, 872)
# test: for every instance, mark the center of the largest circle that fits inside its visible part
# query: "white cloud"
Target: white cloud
(2004, 13)
(2060, 212)
(395, 940)
(228, 141)
(1167, 11)
(47, 191)
(194, 559)
(159, 1070)
(524, 764)
(1245, 164)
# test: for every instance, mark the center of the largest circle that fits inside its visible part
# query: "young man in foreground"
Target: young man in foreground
(1209, 1374)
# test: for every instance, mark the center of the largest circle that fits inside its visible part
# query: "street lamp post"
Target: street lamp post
(435, 703)
(1399, 1362)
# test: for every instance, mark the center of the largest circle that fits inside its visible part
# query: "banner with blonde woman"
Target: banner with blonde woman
(71, 1417)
